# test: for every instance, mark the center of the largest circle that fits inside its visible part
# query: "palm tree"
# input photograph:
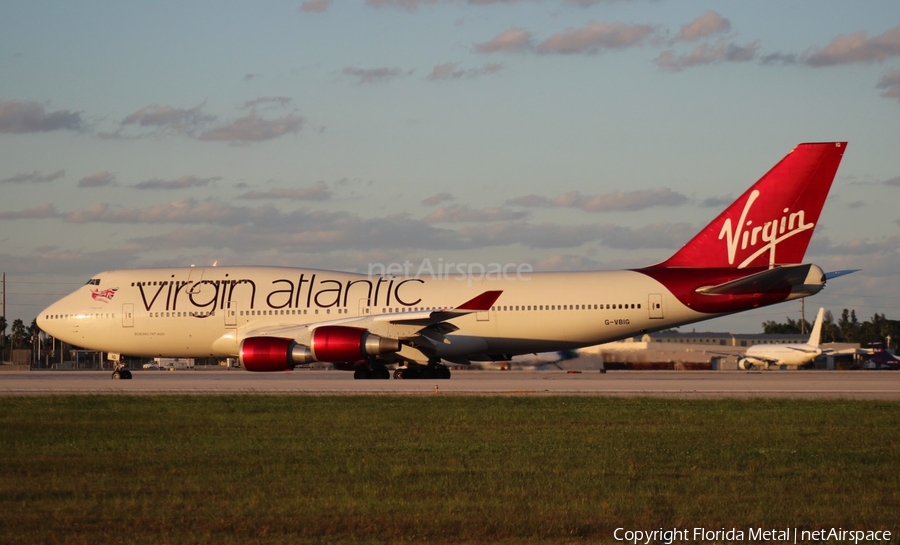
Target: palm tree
(19, 333)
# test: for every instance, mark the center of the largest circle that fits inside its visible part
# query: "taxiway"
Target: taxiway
(673, 384)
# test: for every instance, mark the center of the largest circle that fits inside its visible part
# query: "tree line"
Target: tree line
(19, 336)
(848, 329)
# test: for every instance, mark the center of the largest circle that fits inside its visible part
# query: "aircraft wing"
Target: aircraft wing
(805, 350)
(724, 353)
(741, 355)
(406, 326)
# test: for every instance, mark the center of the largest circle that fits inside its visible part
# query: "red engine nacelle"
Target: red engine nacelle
(337, 344)
(267, 354)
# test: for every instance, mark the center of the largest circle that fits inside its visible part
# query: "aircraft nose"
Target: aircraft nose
(48, 320)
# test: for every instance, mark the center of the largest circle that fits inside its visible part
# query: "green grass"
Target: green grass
(438, 469)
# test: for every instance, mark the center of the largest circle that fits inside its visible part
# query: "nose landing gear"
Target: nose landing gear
(120, 373)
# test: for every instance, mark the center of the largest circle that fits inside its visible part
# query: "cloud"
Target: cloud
(707, 54)
(183, 182)
(374, 75)
(18, 117)
(315, 6)
(510, 40)
(779, 58)
(169, 118)
(43, 211)
(246, 230)
(181, 211)
(708, 24)
(717, 202)
(531, 201)
(437, 198)
(263, 101)
(856, 47)
(823, 245)
(449, 70)
(462, 213)
(99, 179)
(893, 182)
(318, 192)
(596, 37)
(531, 235)
(194, 123)
(253, 128)
(413, 5)
(655, 235)
(304, 231)
(615, 201)
(563, 262)
(73, 262)
(408, 5)
(890, 82)
(624, 200)
(33, 177)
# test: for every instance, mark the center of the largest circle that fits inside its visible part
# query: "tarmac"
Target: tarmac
(807, 384)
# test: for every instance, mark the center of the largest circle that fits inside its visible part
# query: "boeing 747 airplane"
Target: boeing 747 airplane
(275, 318)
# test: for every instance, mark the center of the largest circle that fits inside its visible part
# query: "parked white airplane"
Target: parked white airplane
(794, 354)
(276, 318)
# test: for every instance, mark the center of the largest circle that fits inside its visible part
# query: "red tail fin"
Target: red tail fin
(772, 222)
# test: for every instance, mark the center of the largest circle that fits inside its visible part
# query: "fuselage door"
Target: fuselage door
(231, 314)
(128, 315)
(654, 304)
(363, 307)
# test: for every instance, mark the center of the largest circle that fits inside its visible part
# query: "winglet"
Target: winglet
(481, 302)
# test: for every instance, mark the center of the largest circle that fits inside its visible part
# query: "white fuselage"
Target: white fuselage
(196, 312)
(782, 354)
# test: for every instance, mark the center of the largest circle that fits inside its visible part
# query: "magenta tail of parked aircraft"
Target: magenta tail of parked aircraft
(276, 318)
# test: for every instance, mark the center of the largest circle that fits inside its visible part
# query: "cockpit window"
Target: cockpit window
(93, 282)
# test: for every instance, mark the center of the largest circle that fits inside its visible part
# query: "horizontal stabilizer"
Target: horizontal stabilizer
(836, 274)
(794, 278)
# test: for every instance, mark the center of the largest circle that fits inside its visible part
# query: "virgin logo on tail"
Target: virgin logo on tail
(769, 234)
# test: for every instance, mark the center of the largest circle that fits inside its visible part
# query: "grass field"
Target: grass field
(438, 469)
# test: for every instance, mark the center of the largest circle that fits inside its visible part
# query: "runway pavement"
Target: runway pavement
(677, 384)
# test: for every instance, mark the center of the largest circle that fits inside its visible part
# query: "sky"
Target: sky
(342, 134)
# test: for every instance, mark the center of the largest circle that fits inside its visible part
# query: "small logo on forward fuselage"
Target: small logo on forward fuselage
(103, 295)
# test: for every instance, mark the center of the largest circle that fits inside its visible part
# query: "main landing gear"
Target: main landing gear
(120, 373)
(432, 370)
(376, 370)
